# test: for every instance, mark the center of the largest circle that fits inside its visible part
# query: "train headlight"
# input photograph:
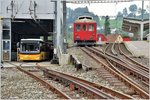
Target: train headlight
(76, 34)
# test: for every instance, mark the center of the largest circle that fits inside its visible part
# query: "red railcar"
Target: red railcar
(85, 30)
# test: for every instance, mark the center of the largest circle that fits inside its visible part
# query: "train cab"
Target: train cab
(85, 30)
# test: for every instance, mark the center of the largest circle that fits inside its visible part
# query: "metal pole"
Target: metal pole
(142, 26)
(142, 8)
(0, 42)
(64, 28)
(58, 20)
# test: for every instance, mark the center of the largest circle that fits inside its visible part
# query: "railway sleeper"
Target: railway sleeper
(112, 79)
(107, 76)
(118, 84)
(105, 73)
(129, 73)
(130, 91)
(122, 88)
(115, 81)
(140, 78)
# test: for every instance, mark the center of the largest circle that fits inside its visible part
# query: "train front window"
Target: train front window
(30, 47)
(78, 27)
(91, 27)
(84, 27)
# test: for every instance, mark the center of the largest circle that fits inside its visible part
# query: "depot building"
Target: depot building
(28, 19)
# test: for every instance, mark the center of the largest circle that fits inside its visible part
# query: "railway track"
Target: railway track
(121, 48)
(141, 60)
(142, 76)
(36, 74)
(83, 87)
(113, 75)
(132, 65)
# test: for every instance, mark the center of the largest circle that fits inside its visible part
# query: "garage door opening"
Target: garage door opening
(30, 29)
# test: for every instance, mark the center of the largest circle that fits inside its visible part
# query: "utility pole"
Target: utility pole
(142, 8)
(0, 41)
(142, 25)
(64, 28)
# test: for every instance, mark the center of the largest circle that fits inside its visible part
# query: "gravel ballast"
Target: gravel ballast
(17, 85)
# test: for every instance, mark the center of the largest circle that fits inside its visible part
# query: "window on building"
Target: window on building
(6, 45)
(6, 34)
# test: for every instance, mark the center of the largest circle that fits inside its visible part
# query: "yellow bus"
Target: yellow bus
(34, 50)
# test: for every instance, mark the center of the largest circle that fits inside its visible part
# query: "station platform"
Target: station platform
(138, 48)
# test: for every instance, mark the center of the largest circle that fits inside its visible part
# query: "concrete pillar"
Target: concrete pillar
(141, 30)
(58, 30)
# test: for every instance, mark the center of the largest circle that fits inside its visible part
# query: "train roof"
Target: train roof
(83, 19)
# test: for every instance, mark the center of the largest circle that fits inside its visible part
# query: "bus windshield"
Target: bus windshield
(30, 47)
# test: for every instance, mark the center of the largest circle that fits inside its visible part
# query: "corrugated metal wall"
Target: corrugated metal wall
(40, 9)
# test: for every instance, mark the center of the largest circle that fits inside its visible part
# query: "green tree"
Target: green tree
(125, 12)
(119, 16)
(72, 15)
(133, 9)
(107, 27)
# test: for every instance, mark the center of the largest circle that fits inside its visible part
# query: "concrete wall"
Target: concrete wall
(40, 9)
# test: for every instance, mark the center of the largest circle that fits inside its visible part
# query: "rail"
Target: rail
(98, 86)
(121, 76)
(142, 66)
(43, 82)
(132, 70)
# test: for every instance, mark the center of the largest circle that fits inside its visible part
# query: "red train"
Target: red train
(85, 30)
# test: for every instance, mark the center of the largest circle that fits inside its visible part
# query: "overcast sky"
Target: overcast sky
(110, 9)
